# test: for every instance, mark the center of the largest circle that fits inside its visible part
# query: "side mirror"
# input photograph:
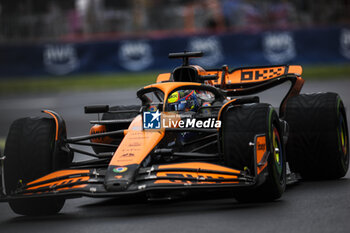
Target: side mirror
(96, 109)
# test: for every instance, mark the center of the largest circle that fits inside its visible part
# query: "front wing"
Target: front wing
(90, 182)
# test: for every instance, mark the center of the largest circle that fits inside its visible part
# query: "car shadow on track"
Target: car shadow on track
(136, 207)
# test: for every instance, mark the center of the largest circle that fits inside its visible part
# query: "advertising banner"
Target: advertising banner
(307, 46)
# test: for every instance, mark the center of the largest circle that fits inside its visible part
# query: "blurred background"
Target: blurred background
(44, 41)
(81, 20)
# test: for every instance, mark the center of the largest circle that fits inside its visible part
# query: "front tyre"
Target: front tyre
(240, 126)
(29, 155)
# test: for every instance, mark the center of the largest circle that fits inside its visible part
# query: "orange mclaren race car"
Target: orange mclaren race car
(195, 129)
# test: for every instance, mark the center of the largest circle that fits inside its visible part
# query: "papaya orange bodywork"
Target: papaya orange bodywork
(137, 144)
(298, 70)
(100, 129)
(163, 77)
(199, 165)
(73, 187)
(260, 148)
(62, 182)
(56, 123)
(202, 177)
(58, 174)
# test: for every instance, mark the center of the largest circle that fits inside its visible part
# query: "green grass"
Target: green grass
(127, 80)
(76, 82)
(326, 72)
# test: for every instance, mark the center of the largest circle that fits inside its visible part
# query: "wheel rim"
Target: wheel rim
(343, 136)
(277, 150)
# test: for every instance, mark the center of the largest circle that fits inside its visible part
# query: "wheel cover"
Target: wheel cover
(277, 150)
(343, 136)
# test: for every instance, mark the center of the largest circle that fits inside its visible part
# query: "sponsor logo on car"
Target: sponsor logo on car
(261, 146)
(120, 169)
(128, 155)
(135, 144)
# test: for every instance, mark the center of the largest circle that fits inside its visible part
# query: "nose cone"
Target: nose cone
(119, 178)
(132, 151)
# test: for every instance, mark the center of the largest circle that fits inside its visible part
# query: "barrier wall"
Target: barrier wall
(312, 46)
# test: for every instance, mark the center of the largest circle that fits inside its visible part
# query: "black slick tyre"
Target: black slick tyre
(29, 155)
(240, 126)
(318, 146)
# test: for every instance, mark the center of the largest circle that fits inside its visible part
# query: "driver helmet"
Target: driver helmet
(183, 100)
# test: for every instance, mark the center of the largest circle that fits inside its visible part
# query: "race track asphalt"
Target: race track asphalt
(322, 206)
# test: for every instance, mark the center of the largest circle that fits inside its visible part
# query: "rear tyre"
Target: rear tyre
(29, 155)
(318, 145)
(240, 126)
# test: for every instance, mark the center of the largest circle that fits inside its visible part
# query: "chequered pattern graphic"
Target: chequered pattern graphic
(261, 74)
(269, 73)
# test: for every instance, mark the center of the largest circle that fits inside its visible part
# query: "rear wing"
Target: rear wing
(229, 80)
(255, 75)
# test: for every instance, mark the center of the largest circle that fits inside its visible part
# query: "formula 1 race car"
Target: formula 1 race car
(195, 129)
